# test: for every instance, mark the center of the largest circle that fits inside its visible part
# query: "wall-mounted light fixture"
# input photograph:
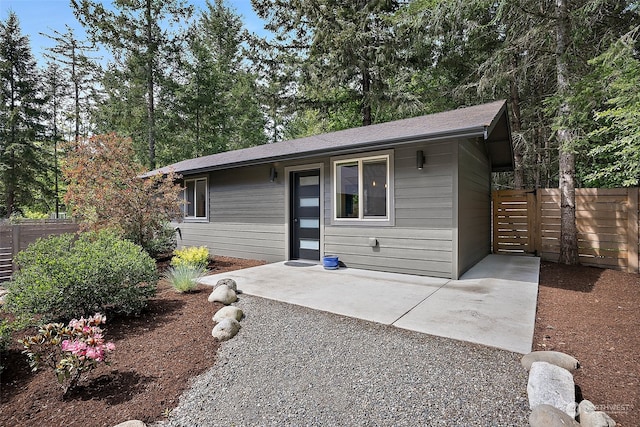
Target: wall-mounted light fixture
(273, 174)
(419, 159)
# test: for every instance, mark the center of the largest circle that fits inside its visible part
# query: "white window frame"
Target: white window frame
(389, 219)
(185, 211)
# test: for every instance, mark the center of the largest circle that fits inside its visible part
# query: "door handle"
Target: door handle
(295, 220)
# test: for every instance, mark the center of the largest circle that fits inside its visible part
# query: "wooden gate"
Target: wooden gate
(514, 222)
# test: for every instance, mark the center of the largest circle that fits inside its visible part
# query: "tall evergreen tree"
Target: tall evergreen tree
(348, 54)
(23, 159)
(72, 54)
(138, 34)
(56, 89)
(215, 104)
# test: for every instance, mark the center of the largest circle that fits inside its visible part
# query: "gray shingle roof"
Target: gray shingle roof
(488, 121)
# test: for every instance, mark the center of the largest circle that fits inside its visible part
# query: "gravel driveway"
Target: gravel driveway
(291, 365)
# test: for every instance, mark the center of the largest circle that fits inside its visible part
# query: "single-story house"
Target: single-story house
(409, 196)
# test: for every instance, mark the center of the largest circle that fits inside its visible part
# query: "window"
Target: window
(195, 196)
(362, 189)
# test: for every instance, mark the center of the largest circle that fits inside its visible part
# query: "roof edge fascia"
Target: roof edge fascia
(472, 132)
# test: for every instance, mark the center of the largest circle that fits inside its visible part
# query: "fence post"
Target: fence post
(15, 245)
(632, 229)
(538, 220)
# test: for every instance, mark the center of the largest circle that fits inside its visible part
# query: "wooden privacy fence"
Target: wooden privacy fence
(16, 237)
(528, 222)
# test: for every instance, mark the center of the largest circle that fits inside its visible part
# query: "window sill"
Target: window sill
(363, 222)
(195, 220)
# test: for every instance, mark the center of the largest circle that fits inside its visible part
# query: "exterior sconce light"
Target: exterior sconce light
(273, 174)
(419, 159)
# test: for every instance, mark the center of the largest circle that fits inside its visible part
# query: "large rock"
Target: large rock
(226, 329)
(550, 385)
(549, 416)
(223, 294)
(132, 423)
(230, 283)
(554, 357)
(228, 312)
(589, 416)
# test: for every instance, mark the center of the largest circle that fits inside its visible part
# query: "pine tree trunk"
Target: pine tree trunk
(566, 139)
(516, 127)
(366, 98)
(151, 115)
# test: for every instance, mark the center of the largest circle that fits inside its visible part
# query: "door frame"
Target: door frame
(287, 208)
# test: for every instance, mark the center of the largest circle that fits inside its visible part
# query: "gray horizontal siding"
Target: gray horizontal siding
(474, 209)
(246, 216)
(245, 195)
(262, 242)
(402, 250)
(421, 241)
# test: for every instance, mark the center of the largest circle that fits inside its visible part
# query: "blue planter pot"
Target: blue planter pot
(330, 262)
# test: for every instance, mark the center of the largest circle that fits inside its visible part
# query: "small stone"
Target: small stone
(554, 357)
(550, 385)
(223, 295)
(226, 329)
(228, 282)
(589, 416)
(132, 423)
(549, 416)
(228, 312)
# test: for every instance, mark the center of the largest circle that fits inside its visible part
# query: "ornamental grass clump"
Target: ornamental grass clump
(194, 256)
(69, 350)
(184, 277)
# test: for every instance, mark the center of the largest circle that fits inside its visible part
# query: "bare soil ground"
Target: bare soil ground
(590, 313)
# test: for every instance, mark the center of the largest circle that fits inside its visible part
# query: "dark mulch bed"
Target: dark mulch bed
(590, 313)
(594, 315)
(156, 354)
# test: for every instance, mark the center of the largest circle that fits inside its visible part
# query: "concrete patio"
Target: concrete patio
(493, 304)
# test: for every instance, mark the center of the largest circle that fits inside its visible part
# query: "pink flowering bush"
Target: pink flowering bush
(69, 350)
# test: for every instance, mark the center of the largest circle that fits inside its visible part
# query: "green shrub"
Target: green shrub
(62, 277)
(195, 256)
(5, 338)
(163, 241)
(184, 277)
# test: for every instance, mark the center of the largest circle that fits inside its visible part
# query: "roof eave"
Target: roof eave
(472, 132)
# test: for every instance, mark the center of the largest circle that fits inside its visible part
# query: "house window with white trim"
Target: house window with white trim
(195, 197)
(362, 189)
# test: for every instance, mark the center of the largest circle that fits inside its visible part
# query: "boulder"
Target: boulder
(226, 329)
(589, 416)
(230, 283)
(132, 423)
(228, 312)
(223, 295)
(549, 416)
(550, 385)
(554, 357)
